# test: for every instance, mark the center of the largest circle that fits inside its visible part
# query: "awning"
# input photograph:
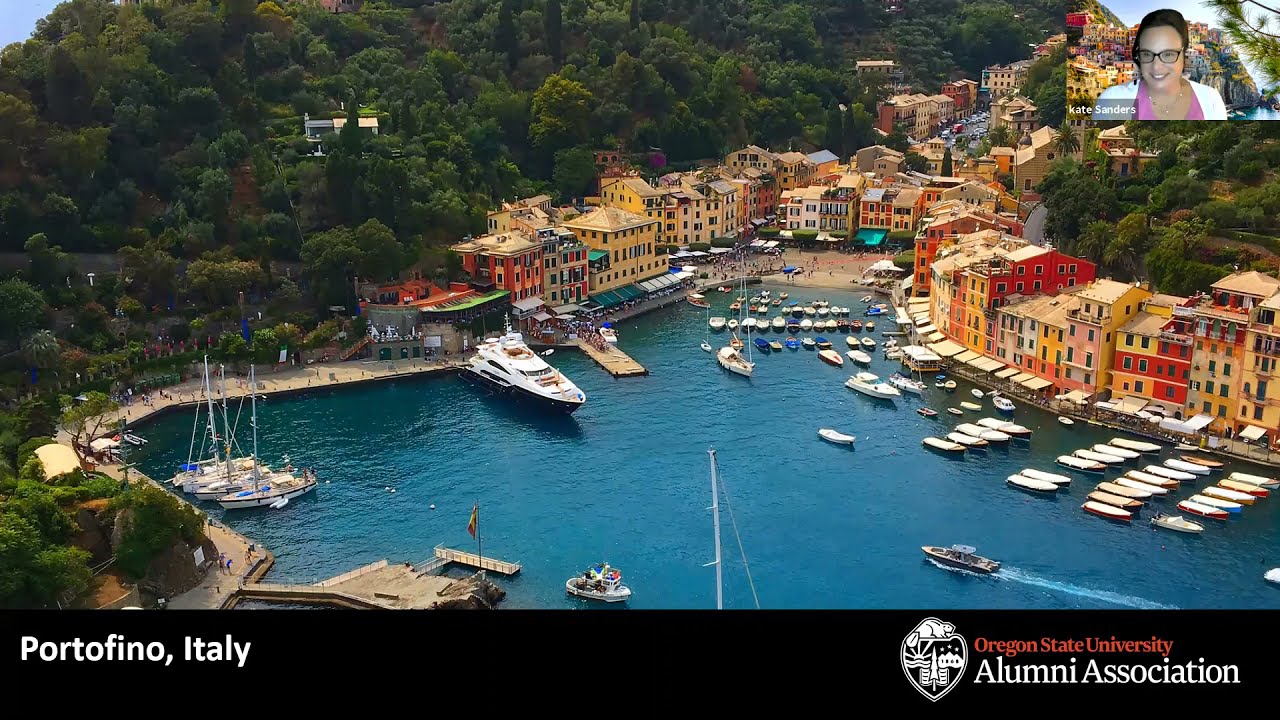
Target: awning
(966, 356)
(1251, 433)
(918, 301)
(936, 337)
(541, 317)
(757, 243)
(1007, 372)
(528, 304)
(565, 309)
(771, 244)
(721, 251)
(991, 364)
(1199, 422)
(976, 362)
(683, 275)
(629, 292)
(594, 255)
(1131, 404)
(922, 320)
(759, 222)
(1077, 396)
(926, 329)
(1021, 377)
(606, 299)
(565, 317)
(906, 283)
(1036, 384)
(946, 348)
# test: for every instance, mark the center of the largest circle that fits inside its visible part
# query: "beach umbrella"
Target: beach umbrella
(789, 269)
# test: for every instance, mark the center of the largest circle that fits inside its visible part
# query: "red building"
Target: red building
(959, 93)
(509, 261)
(1079, 19)
(946, 221)
(1154, 352)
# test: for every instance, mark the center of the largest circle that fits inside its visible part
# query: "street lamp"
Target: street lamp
(90, 276)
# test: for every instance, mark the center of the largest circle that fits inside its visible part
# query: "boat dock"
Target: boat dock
(377, 586)
(444, 556)
(613, 360)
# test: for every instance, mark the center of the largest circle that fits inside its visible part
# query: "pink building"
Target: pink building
(1082, 348)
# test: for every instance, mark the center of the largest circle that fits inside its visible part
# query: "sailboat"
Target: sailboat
(705, 344)
(273, 489)
(730, 357)
(715, 520)
(221, 473)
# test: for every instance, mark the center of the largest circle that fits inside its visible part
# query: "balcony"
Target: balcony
(1266, 350)
(1176, 338)
(1092, 318)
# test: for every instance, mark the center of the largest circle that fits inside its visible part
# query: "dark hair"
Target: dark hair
(1161, 18)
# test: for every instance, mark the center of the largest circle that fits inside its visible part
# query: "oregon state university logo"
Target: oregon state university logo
(934, 658)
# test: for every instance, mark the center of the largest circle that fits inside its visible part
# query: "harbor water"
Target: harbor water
(627, 480)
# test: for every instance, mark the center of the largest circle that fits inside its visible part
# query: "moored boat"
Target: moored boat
(834, 436)
(1005, 426)
(1003, 404)
(1228, 505)
(1272, 575)
(1258, 480)
(775, 346)
(906, 384)
(1122, 491)
(943, 445)
(1176, 523)
(955, 411)
(1169, 473)
(762, 344)
(1081, 464)
(1117, 452)
(1107, 511)
(961, 556)
(831, 357)
(1154, 490)
(927, 412)
(859, 357)
(1142, 447)
(697, 300)
(869, 384)
(822, 343)
(1229, 495)
(1064, 420)
(1115, 500)
(1186, 467)
(970, 406)
(981, 432)
(966, 440)
(1150, 479)
(1098, 457)
(1196, 508)
(1047, 476)
(599, 583)
(1032, 484)
(809, 344)
(1211, 464)
(1254, 490)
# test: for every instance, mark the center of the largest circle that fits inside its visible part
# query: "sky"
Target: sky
(18, 18)
(1131, 13)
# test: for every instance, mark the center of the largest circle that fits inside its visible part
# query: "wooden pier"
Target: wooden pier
(613, 360)
(444, 556)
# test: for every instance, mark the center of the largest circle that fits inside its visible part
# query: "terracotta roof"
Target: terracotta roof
(1249, 283)
(1105, 291)
(608, 219)
(1163, 300)
(509, 243)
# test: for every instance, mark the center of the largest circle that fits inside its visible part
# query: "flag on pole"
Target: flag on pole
(471, 526)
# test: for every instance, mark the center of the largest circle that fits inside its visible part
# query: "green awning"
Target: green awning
(606, 299)
(629, 292)
(595, 255)
(871, 237)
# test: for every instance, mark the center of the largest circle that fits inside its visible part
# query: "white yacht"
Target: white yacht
(267, 489)
(506, 366)
(869, 384)
(730, 359)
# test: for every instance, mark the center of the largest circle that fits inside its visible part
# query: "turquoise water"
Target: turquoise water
(626, 479)
(1258, 113)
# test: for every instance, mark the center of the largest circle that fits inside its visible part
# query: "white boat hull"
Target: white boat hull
(1258, 480)
(1185, 466)
(1050, 477)
(833, 436)
(1027, 483)
(1169, 473)
(622, 594)
(1177, 524)
(1117, 452)
(264, 499)
(1142, 447)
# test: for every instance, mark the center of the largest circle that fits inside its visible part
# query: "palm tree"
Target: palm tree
(1065, 139)
(41, 351)
(1001, 136)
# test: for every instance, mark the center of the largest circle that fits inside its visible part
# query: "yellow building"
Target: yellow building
(537, 207)
(794, 170)
(622, 248)
(1219, 359)
(1105, 307)
(1259, 417)
(1032, 159)
(634, 195)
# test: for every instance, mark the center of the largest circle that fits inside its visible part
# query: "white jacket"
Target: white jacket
(1210, 101)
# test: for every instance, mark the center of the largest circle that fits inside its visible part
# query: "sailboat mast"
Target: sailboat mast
(253, 418)
(213, 419)
(715, 514)
(226, 423)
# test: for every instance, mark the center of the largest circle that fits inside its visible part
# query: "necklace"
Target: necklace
(1166, 110)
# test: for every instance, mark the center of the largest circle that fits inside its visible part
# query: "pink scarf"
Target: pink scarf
(1145, 112)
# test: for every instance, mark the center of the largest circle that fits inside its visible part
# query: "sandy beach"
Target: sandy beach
(822, 268)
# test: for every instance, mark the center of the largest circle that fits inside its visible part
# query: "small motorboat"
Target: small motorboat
(791, 343)
(1254, 490)
(733, 324)
(1185, 466)
(966, 440)
(822, 343)
(1169, 473)
(970, 406)
(1196, 508)
(1154, 490)
(977, 393)
(906, 384)
(1272, 575)
(1115, 500)
(1229, 495)
(1258, 480)
(609, 334)
(949, 385)
(716, 323)
(1122, 491)
(806, 325)
(1142, 447)
(1064, 420)
(855, 325)
(808, 343)
(1213, 502)
(1116, 451)
(866, 299)
(1081, 464)
(868, 343)
(133, 440)
(775, 346)
(836, 437)
(859, 357)
(697, 300)
(1176, 523)
(955, 411)
(1150, 479)
(1098, 457)
(599, 583)
(707, 346)
(927, 412)
(831, 357)
(1107, 511)
(761, 344)
(1211, 464)
(1032, 484)
(962, 557)
(1005, 426)
(1047, 476)
(981, 432)
(783, 296)
(1003, 404)
(852, 342)
(943, 445)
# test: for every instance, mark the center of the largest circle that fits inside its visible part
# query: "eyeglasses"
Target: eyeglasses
(1146, 57)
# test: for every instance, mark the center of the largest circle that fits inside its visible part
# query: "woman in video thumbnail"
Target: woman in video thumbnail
(1160, 92)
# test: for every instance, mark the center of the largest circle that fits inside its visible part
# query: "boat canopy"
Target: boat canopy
(966, 549)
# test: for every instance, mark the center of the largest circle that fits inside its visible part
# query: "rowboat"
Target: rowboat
(1114, 500)
(823, 344)
(970, 406)
(1244, 488)
(1081, 464)
(955, 411)
(927, 412)
(1196, 508)
(697, 300)
(831, 357)
(859, 357)
(1107, 511)
(1049, 477)
(1098, 457)
(1150, 479)
(981, 432)
(1003, 404)
(1169, 473)
(833, 436)
(977, 393)
(1122, 491)
(1177, 523)
(1064, 420)
(1117, 451)
(1211, 464)
(1139, 485)
(852, 342)
(775, 346)
(1032, 484)
(1142, 447)
(966, 440)
(707, 346)
(1186, 467)
(1229, 495)
(1258, 480)
(944, 445)
(1228, 505)
(1005, 426)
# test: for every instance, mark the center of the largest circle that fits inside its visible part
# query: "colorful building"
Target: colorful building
(1219, 361)
(1258, 419)
(942, 225)
(633, 194)
(1153, 357)
(1104, 307)
(508, 261)
(622, 252)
